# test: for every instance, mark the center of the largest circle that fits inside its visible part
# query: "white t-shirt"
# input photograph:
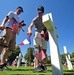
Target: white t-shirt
(12, 17)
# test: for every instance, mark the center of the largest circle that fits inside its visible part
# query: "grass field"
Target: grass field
(22, 70)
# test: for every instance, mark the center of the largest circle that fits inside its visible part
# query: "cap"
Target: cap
(41, 9)
(20, 8)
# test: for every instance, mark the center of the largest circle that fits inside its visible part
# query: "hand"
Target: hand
(29, 33)
(22, 23)
(2, 27)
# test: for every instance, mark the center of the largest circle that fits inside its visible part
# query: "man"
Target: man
(10, 27)
(39, 38)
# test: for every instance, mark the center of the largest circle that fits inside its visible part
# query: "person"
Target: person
(40, 40)
(10, 27)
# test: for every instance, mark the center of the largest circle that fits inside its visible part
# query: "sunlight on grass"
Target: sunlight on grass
(29, 70)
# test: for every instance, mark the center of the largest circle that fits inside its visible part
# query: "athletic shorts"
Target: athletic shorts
(39, 41)
(8, 39)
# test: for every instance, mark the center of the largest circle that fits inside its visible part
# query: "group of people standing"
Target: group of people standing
(10, 27)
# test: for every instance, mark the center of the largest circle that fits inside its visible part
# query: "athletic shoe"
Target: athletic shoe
(1, 67)
(5, 66)
(38, 69)
(43, 66)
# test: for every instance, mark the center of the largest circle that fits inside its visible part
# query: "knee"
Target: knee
(6, 50)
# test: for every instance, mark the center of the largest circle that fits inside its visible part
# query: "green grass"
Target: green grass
(22, 70)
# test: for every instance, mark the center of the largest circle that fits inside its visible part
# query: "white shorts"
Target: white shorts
(38, 41)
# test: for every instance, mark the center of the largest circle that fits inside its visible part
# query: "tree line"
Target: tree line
(29, 56)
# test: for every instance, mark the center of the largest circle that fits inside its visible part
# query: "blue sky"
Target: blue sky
(63, 15)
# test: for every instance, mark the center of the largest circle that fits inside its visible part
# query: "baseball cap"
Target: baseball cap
(41, 9)
(20, 8)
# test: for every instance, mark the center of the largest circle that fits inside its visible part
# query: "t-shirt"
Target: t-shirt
(12, 18)
(38, 24)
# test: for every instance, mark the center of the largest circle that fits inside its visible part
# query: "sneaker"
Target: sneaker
(5, 66)
(38, 69)
(1, 67)
(43, 66)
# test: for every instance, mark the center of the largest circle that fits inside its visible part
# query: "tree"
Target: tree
(72, 58)
(12, 55)
(72, 55)
(48, 59)
(29, 56)
(63, 58)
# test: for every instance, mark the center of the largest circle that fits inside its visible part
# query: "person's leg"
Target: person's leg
(1, 48)
(4, 55)
(36, 56)
(11, 46)
(36, 41)
(0, 58)
(6, 38)
(44, 47)
(44, 60)
(6, 51)
(38, 67)
(37, 62)
(3, 60)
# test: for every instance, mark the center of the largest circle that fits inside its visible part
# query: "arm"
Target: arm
(5, 20)
(30, 29)
(3, 23)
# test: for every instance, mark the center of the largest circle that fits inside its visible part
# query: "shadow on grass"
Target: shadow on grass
(43, 72)
(33, 72)
(30, 69)
(23, 70)
(68, 72)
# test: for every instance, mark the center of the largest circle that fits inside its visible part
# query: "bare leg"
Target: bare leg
(0, 58)
(43, 66)
(44, 50)
(37, 61)
(4, 56)
(1, 48)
